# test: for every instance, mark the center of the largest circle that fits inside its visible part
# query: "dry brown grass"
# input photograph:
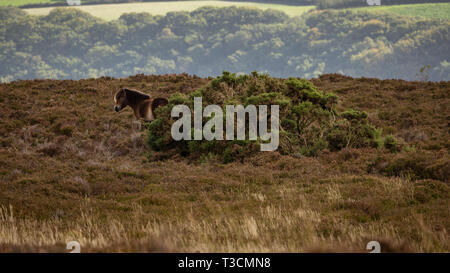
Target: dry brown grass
(72, 169)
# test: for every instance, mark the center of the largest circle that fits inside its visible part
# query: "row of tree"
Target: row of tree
(69, 43)
(319, 3)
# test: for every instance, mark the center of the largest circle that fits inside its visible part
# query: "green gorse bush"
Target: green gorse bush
(309, 121)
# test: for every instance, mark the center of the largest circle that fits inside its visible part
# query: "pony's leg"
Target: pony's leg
(136, 125)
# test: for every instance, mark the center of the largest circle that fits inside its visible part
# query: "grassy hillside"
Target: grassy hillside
(113, 11)
(73, 169)
(434, 11)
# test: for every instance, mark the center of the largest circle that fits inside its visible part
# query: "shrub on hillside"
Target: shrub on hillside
(309, 122)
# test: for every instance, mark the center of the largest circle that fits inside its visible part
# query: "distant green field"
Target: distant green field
(26, 2)
(113, 11)
(435, 11)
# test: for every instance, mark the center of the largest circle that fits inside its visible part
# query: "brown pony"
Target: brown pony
(143, 106)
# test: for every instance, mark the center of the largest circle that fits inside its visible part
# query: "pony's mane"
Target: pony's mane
(134, 96)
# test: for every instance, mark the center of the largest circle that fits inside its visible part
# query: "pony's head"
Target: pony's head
(125, 97)
(120, 99)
